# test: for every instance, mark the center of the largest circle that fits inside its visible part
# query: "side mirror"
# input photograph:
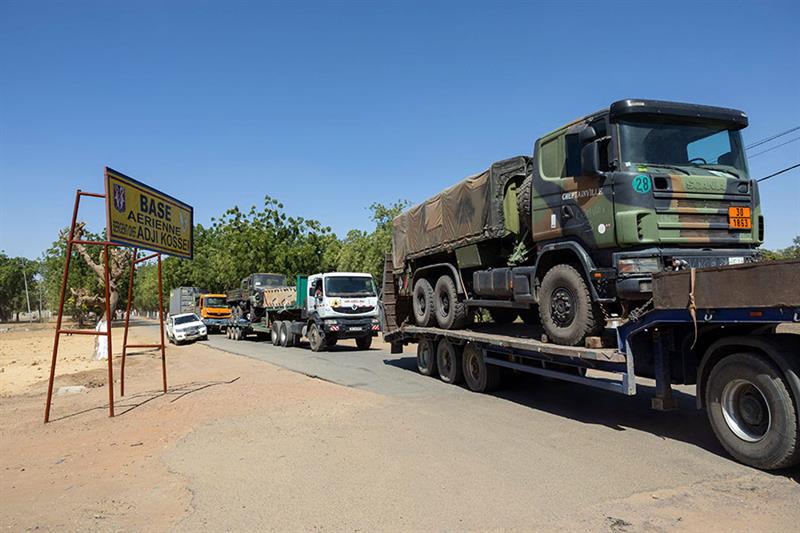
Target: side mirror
(587, 134)
(590, 159)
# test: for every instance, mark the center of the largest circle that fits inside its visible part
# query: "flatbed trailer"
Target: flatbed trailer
(746, 371)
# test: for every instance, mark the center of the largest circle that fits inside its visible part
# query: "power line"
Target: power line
(773, 148)
(772, 137)
(787, 169)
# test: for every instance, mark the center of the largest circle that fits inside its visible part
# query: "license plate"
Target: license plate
(356, 328)
(739, 218)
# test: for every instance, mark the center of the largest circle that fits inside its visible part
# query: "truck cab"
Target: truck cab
(343, 304)
(214, 310)
(646, 186)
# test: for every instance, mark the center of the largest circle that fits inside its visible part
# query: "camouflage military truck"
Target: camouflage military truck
(572, 235)
(253, 296)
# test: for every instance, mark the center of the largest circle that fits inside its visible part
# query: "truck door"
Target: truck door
(315, 293)
(566, 204)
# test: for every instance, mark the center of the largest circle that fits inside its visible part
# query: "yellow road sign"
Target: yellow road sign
(138, 215)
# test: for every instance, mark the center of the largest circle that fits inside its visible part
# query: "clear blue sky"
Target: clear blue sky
(329, 107)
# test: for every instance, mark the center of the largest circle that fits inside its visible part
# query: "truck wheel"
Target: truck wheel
(503, 316)
(449, 362)
(479, 376)
(423, 303)
(450, 313)
(285, 334)
(752, 412)
(363, 343)
(566, 308)
(315, 339)
(426, 357)
(275, 333)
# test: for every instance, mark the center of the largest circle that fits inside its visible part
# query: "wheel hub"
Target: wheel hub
(562, 307)
(745, 410)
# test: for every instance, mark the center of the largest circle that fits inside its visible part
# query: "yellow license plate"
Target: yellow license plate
(739, 218)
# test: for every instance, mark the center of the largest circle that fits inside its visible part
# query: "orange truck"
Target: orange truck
(213, 309)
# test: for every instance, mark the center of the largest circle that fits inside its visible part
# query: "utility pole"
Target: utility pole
(27, 296)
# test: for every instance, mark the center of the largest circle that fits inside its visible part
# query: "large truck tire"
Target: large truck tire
(364, 343)
(449, 362)
(426, 357)
(286, 334)
(501, 315)
(479, 376)
(423, 303)
(450, 312)
(566, 309)
(315, 339)
(275, 333)
(752, 412)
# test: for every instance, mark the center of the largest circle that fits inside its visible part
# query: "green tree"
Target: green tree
(790, 252)
(12, 285)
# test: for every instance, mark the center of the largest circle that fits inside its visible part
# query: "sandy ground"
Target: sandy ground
(239, 444)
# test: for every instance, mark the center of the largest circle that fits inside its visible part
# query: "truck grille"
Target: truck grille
(686, 219)
(353, 311)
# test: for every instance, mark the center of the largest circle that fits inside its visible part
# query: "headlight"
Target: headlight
(638, 264)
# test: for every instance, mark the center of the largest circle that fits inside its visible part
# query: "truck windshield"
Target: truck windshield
(353, 286)
(216, 301)
(712, 147)
(269, 280)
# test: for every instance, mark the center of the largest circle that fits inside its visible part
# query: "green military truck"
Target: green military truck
(571, 236)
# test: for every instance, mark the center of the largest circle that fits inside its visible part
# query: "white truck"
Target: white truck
(323, 308)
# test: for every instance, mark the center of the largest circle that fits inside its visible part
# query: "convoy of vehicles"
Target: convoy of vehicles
(572, 235)
(323, 308)
(185, 327)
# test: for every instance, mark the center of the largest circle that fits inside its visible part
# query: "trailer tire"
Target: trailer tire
(315, 339)
(426, 357)
(275, 333)
(449, 362)
(423, 303)
(450, 312)
(751, 410)
(285, 334)
(501, 315)
(364, 343)
(479, 376)
(524, 204)
(566, 309)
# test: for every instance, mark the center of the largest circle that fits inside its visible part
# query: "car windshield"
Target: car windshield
(216, 301)
(713, 147)
(269, 280)
(349, 286)
(185, 319)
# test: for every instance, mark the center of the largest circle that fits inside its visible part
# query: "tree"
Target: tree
(12, 285)
(790, 252)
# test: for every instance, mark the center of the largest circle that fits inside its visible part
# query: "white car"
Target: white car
(185, 327)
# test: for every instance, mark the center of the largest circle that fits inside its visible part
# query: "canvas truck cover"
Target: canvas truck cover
(470, 211)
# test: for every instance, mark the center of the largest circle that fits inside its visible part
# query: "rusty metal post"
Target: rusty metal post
(108, 337)
(127, 322)
(161, 324)
(61, 306)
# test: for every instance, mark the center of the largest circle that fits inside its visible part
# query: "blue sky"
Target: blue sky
(332, 106)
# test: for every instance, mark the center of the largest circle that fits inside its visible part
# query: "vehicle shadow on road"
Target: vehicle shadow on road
(128, 403)
(588, 405)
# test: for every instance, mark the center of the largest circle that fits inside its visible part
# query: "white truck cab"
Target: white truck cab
(345, 304)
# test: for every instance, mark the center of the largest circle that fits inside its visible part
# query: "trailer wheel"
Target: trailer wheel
(239, 334)
(479, 376)
(423, 303)
(524, 193)
(502, 316)
(275, 333)
(363, 343)
(449, 362)
(285, 334)
(450, 313)
(752, 412)
(426, 357)
(315, 339)
(566, 308)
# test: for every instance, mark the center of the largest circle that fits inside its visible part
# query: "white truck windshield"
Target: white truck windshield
(349, 286)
